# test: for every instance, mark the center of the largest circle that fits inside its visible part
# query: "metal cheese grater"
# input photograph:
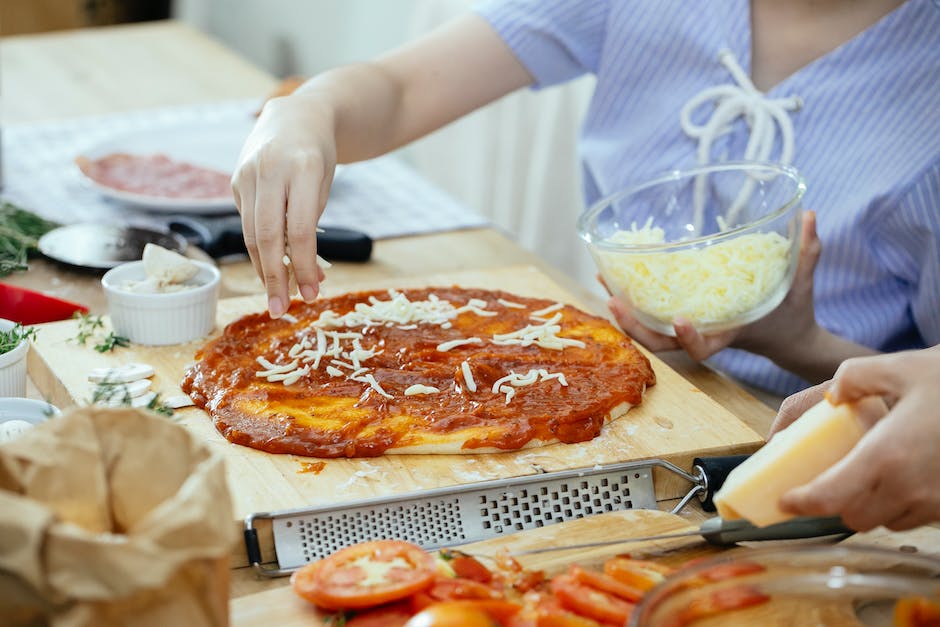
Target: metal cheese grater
(462, 514)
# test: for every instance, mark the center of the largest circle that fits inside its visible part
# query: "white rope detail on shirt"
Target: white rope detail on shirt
(763, 116)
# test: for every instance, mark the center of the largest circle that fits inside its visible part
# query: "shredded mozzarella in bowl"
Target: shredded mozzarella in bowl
(717, 286)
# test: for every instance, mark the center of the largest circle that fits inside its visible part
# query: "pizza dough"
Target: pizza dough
(431, 370)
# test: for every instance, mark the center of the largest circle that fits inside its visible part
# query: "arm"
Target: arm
(285, 170)
(890, 477)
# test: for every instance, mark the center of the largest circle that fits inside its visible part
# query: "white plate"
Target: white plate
(211, 145)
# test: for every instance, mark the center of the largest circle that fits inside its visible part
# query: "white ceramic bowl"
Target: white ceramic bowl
(162, 319)
(14, 412)
(716, 245)
(13, 365)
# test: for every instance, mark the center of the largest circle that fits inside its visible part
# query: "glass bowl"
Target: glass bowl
(808, 585)
(716, 245)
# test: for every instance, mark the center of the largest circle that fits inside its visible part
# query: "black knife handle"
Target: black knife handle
(221, 236)
(338, 244)
(714, 471)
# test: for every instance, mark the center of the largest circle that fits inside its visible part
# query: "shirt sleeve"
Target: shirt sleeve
(909, 245)
(556, 40)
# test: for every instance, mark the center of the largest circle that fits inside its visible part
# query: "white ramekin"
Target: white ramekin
(161, 319)
(13, 365)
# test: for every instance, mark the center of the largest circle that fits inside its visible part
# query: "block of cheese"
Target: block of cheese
(810, 445)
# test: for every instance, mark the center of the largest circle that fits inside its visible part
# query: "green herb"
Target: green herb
(447, 554)
(336, 620)
(12, 338)
(112, 341)
(87, 325)
(20, 231)
(117, 394)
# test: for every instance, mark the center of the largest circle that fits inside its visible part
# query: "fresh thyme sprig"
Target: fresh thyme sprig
(12, 338)
(20, 231)
(112, 341)
(88, 327)
(118, 394)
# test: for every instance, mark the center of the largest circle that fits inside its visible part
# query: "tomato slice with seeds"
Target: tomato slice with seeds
(465, 613)
(589, 601)
(365, 575)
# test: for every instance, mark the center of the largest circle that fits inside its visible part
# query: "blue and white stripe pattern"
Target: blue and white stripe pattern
(867, 140)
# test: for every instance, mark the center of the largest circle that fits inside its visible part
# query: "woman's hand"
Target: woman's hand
(281, 185)
(793, 317)
(789, 335)
(892, 476)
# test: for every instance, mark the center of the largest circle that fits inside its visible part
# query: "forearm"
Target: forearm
(403, 95)
(817, 356)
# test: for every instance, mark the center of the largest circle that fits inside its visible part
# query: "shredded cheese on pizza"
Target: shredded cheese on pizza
(344, 355)
(544, 335)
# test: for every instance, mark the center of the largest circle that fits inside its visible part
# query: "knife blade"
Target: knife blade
(722, 532)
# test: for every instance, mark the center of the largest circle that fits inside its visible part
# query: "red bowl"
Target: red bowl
(30, 307)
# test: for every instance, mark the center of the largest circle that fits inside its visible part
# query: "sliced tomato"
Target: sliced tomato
(542, 610)
(639, 574)
(391, 615)
(470, 568)
(476, 613)
(725, 600)
(606, 583)
(589, 601)
(916, 612)
(721, 572)
(365, 575)
(454, 588)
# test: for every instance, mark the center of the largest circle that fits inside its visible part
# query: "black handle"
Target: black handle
(222, 237)
(338, 244)
(725, 533)
(714, 471)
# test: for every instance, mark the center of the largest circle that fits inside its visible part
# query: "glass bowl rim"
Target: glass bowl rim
(674, 175)
(651, 597)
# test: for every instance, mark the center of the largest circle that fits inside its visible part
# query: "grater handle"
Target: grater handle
(714, 471)
(726, 532)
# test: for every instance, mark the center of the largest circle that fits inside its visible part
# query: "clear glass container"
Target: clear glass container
(805, 586)
(717, 245)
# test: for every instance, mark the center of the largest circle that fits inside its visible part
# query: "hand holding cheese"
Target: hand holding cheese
(892, 476)
(812, 444)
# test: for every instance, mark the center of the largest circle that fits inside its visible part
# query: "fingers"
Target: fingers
(700, 347)
(864, 376)
(243, 186)
(270, 208)
(810, 249)
(634, 328)
(302, 214)
(796, 405)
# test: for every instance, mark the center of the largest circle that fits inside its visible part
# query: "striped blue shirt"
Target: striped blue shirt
(867, 141)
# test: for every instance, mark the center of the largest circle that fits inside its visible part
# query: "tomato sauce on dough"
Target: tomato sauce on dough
(324, 415)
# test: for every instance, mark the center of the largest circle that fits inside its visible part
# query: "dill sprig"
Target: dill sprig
(20, 231)
(12, 338)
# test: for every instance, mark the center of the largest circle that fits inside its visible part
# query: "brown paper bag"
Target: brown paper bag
(113, 517)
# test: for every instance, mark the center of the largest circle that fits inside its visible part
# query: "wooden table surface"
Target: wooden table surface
(103, 70)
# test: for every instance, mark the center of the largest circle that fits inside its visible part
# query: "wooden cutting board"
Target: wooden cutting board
(280, 606)
(676, 421)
